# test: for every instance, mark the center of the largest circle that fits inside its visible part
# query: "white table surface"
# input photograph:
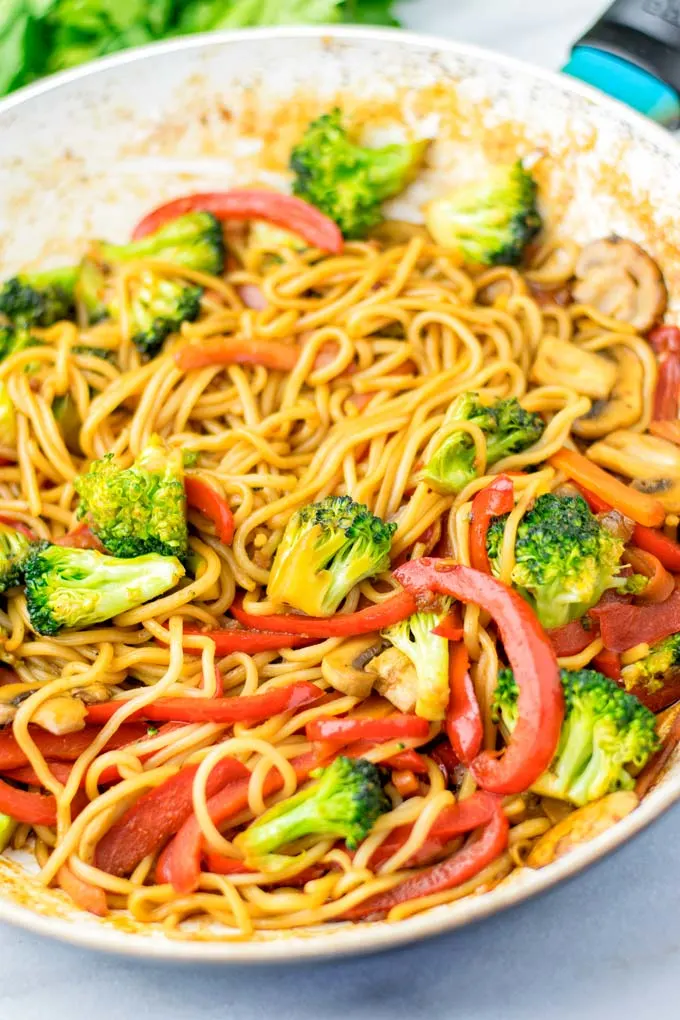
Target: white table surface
(607, 945)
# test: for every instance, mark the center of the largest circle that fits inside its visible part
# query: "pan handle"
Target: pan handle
(633, 53)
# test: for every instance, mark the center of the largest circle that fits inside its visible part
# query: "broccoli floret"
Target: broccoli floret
(490, 221)
(429, 654)
(159, 306)
(345, 803)
(194, 241)
(39, 299)
(8, 418)
(347, 181)
(605, 732)
(15, 548)
(564, 558)
(140, 509)
(13, 340)
(507, 428)
(92, 292)
(326, 549)
(77, 588)
(660, 665)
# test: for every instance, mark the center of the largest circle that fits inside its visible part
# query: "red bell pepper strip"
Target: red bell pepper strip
(624, 626)
(639, 506)
(496, 499)
(451, 627)
(252, 708)
(27, 774)
(158, 815)
(453, 821)
(201, 496)
(236, 350)
(219, 864)
(85, 895)
(20, 527)
(446, 760)
(66, 747)
(608, 663)
(463, 718)
(407, 759)
(665, 341)
(33, 808)
(250, 641)
(80, 538)
(180, 862)
(251, 204)
(461, 867)
(571, 639)
(660, 583)
(649, 539)
(382, 614)
(541, 703)
(345, 731)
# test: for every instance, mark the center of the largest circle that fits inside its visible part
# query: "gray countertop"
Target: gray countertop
(607, 945)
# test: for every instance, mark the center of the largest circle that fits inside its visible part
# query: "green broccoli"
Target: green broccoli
(564, 558)
(605, 730)
(193, 241)
(7, 827)
(344, 803)
(347, 181)
(8, 418)
(15, 548)
(13, 340)
(507, 428)
(659, 666)
(489, 221)
(140, 509)
(429, 654)
(159, 306)
(39, 299)
(326, 549)
(77, 588)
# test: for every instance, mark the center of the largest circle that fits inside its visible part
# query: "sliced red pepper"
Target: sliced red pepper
(346, 731)
(252, 708)
(446, 760)
(237, 350)
(33, 808)
(201, 496)
(66, 747)
(364, 621)
(180, 862)
(250, 641)
(80, 538)
(665, 341)
(624, 626)
(20, 527)
(649, 539)
(660, 583)
(495, 499)
(219, 864)
(407, 759)
(571, 639)
(251, 204)
(85, 895)
(463, 717)
(608, 663)
(158, 815)
(467, 862)
(541, 703)
(451, 627)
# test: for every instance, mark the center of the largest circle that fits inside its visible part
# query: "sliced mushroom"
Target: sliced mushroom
(396, 678)
(11, 696)
(619, 279)
(344, 667)
(565, 364)
(94, 693)
(62, 714)
(653, 464)
(624, 404)
(580, 826)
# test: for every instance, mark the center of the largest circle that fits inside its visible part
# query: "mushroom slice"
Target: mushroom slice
(565, 364)
(619, 279)
(624, 405)
(61, 714)
(396, 678)
(345, 667)
(652, 463)
(580, 826)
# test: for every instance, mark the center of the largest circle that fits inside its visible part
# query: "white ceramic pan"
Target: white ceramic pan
(85, 154)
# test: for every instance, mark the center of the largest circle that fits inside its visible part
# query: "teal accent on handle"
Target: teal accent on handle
(623, 80)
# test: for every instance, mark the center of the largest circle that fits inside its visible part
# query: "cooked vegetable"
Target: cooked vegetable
(665, 341)
(33, 808)
(383, 614)
(140, 509)
(193, 241)
(618, 278)
(638, 506)
(625, 626)
(344, 667)
(202, 496)
(347, 181)
(14, 339)
(327, 548)
(649, 539)
(623, 405)
(561, 363)
(15, 548)
(652, 463)
(580, 826)
(429, 654)
(564, 558)
(67, 417)
(492, 501)
(39, 299)
(341, 732)
(658, 669)
(77, 588)
(344, 803)
(605, 733)
(235, 350)
(158, 307)
(464, 726)
(489, 221)
(507, 428)
(541, 702)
